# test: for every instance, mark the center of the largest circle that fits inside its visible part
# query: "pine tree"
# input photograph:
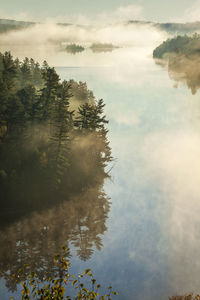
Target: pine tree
(90, 116)
(26, 77)
(48, 96)
(61, 126)
(8, 74)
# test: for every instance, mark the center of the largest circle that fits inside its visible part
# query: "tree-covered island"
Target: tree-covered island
(179, 45)
(74, 48)
(182, 57)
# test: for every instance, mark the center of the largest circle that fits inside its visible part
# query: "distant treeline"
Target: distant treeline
(11, 25)
(179, 28)
(74, 48)
(178, 45)
(7, 25)
(53, 140)
(171, 28)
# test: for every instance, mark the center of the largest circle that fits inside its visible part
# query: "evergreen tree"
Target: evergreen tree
(90, 116)
(61, 125)
(44, 145)
(48, 97)
(25, 73)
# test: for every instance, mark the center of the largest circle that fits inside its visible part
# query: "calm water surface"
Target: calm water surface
(149, 244)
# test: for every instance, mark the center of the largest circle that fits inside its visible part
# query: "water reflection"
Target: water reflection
(53, 168)
(75, 215)
(35, 239)
(149, 251)
(37, 218)
(185, 69)
(73, 48)
(179, 175)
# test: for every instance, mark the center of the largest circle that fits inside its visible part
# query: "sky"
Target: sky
(113, 10)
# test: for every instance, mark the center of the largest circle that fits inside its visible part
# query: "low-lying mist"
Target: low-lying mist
(184, 69)
(51, 34)
(174, 163)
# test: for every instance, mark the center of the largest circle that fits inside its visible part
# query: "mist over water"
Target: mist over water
(43, 41)
(149, 244)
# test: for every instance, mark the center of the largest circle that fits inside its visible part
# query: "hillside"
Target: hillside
(10, 25)
(172, 28)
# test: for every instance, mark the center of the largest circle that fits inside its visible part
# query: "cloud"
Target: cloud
(176, 158)
(119, 14)
(50, 32)
(175, 166)
(132, 255)
(191, 14)
(124, 13)
(22, 16)
(128, 119)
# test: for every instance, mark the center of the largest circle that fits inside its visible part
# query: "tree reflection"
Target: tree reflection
(33, 230)
(35, 239)
(184, 68)
(74, 214)
(53, 157)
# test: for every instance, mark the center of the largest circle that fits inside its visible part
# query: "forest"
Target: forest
(53, 139)
(74, 48)
(181, 56)
(95, 47)
(179, 45)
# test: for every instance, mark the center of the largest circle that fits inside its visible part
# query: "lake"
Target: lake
(146, 243)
